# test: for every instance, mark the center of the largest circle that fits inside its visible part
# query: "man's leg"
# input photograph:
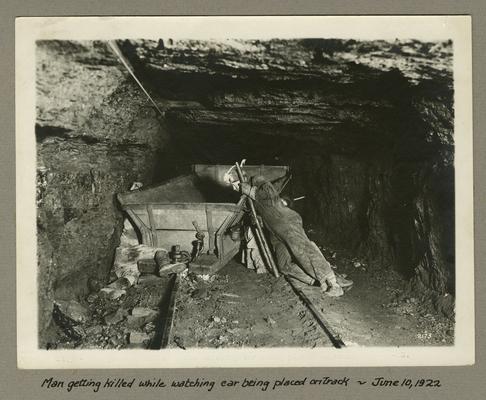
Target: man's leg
(323, 267)
(299, 247)
(253, 257)
(311, 259)
(326, 268)
(287, 266)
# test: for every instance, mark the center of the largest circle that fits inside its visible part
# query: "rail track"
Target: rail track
(165, 321)
(313, 321)
(333, 336)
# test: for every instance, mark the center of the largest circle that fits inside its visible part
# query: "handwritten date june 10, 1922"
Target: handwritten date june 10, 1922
(406, 382)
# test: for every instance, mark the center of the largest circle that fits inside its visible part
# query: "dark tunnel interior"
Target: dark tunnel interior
(370, 147)
(389, 152)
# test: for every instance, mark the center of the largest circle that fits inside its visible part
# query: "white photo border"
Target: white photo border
(428, 28)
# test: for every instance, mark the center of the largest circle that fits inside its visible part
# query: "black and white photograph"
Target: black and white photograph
(297, 188)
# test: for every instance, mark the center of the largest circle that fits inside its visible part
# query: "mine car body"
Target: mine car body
(166, 214)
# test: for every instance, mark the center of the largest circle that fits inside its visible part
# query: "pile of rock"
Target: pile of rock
(112, 315)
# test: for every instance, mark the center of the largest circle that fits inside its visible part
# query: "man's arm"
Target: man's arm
(248, 189)
(261, 191)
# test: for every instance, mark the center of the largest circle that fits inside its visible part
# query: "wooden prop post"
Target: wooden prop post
(265, 249)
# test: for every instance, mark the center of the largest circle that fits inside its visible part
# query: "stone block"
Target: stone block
(138, 338)
(73, 310)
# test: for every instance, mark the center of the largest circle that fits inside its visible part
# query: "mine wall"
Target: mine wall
(96, 135)
(370, 146)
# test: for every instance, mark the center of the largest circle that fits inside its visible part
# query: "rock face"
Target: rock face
(96, 134)
(366, 126)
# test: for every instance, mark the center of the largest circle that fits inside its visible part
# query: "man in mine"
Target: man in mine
(296, 254)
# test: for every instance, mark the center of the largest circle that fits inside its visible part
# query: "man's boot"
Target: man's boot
(333, 288)
(343, 282)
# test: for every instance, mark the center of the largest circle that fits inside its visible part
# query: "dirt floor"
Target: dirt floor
(238, 308)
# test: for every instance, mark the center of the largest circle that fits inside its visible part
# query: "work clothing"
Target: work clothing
(286, 227)
(286, 265)
(251, 256)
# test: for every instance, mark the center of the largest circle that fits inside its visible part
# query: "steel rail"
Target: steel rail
(165, 321)
(333, 336)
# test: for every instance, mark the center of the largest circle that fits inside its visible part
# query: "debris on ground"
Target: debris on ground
(237, 307)
(120, 284)
(126, 260)
(136, 186)
(172, 268)
(231, 295)
(162, 258)
(138, 338)
(112, 293)
(116, 317)
(73, 310)
(200, 293)
(147, 266)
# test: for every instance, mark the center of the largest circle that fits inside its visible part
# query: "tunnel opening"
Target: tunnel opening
(388, 149)
(370, 148)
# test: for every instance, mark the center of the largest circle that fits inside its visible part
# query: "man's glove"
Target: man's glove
(230, 180)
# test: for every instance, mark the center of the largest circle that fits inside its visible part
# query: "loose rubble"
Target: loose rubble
(238, 307)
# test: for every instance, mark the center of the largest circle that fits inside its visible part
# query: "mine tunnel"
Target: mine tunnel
(364, 130)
